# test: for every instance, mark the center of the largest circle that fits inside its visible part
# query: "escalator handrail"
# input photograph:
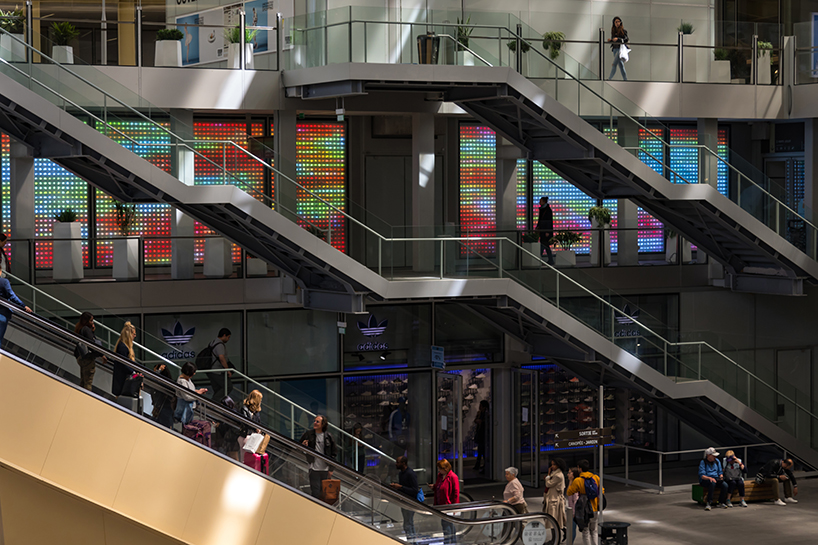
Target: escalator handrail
(385, 491)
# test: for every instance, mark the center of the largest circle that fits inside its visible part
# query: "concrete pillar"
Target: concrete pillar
(423, 192)
(286, 125)
(181, 225)
(126, 30)
(810, 180)
(626, 215)
(708, 135)
(21, 162)
(507, 156)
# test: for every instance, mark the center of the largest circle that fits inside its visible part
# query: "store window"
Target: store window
(389, 337)
(289, 342)
(466, 337)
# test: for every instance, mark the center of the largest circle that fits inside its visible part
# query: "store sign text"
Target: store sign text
(370, 346)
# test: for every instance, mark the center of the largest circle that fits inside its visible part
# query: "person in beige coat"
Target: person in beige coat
(554, 499)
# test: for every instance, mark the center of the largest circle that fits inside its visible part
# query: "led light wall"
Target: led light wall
(478, 183)
(321, 168)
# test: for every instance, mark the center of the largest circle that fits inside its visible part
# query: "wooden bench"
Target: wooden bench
(752, 491)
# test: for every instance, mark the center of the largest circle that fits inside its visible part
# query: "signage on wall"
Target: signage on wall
(372, 329)
(438, 360)
(178, 337)
(627, 321)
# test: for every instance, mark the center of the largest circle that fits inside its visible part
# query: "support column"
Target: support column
(708, 135)
(810, 180)
(126, 30)
(286, 125)
(507, 156)
(626, 216)
(423, 192)
(182, 225)
(22, 210)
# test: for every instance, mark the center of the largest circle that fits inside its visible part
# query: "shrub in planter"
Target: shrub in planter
(686, 28)
(524, 47)
(167, 34)
(126, 250)
(552, 42)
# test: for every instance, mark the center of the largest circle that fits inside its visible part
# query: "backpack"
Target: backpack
(204, 359)
(591, 488)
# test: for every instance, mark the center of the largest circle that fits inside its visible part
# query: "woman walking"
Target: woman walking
(619, 37)
(554, 499)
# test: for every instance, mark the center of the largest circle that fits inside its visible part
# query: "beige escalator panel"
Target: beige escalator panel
(138, 474)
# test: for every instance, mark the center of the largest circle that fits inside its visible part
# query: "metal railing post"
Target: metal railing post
(661, 489)
(754, 63)
(104, 37)
(558, 291)
(292, 422)
(519, 51)
(366, 55)
(442, 245)
(138, 37)
(279, 41)
(243, 29)
(700, 362)
(29, 31)
(380, 256)
(681, 55)
(601, 53)
(500, 261)
(350, 33)
(627, 466)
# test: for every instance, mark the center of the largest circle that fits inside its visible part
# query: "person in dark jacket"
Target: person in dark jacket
(5, 314)
(124, 348)
(407, 484)
(545, 227)
(619, 37)
(447, 492)
(321, 441)
(87, 353)
(163, 401)
(251, 410)
(781, 471)
(481, 423)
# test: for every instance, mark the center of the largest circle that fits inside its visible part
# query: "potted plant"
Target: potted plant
(233, 37)
(524, 48)
(600, 218)
(62, 33)
(720, 66)
(691, 64)
(531, 242)
(13, 21)
(672, 247)
(126, 247)
(552, 43)
(566, 256)
(67, 253)
(464, 57)
(765, 50)
(168, 50)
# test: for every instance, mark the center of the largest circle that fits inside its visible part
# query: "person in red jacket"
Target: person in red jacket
(447, 492)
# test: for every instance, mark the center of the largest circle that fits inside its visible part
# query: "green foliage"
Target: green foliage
(125, 217)
(765, 46)
(552, 42)
(512, 46)
(601, 214)
(66, 216)
(233, 35)
(169, 34)
(670, 233)
(63, 32)
(13, 21)
(566, 238)
(533, 236)
(463, 33)
(721, 55)
(686, 28)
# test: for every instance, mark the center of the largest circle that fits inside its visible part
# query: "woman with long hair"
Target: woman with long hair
(447, 492)
(86, 353)
(251, 410)
(619, 37)
(554, 500)
(124, 348)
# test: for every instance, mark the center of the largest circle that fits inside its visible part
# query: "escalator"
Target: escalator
(697, 382)
(117, 465)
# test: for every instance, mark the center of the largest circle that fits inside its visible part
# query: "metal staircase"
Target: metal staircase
(525, 304)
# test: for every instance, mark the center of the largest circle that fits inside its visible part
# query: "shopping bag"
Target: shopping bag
(624, 52)
(330, 490)
(262, 448)
(253, 442)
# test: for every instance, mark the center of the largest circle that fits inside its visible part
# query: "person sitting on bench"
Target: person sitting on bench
(710, 477)
(781, 471)
(733, 469)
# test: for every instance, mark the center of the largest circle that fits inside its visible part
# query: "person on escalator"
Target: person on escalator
(124, 348)
(163, 402)
(87, 353)
(447, 492)
(321, 441)
(408, 485)
(251, 410)
(5, 314)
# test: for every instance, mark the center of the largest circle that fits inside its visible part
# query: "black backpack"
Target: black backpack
(204, 359)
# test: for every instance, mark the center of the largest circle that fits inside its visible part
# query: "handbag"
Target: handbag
(760, 478)
(624, 52)
(330, 490)
(262, 448)
(81, 351)
(253, 442)
(133, 385)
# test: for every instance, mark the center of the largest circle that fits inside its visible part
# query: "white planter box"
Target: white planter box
(671, 250)
(565, 258)
(12, 50)
(218, 258)
(465, 58)
(233, 60)
(530, 261)
(126, 258)
(168, 53)
(67, 259)
(690, 58)
(63, 54)
(720, 72)
(764, 72)
(605, 238)
(256, 267)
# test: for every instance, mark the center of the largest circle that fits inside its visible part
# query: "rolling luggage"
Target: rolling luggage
(259, 462)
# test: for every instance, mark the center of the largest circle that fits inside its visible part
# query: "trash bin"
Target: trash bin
(614, 533)
(428, 48)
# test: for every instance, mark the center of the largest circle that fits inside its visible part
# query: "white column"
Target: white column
(423, 192)
(286, 125)
(708, 135)
(22, 208)
(182, 225)
(507, 156)
(626, 217)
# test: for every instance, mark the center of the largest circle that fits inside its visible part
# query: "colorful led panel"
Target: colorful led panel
(684, 161)
(723, 183)
(478, 183)
(152, 220)
(217, 160)
(321, 168)
(55, 190)
(5, 176)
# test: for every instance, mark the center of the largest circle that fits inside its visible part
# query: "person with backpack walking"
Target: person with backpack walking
(214, 356)
(407, 484)
(587, 507)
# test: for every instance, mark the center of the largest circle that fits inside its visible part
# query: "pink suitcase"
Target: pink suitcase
(259, 462)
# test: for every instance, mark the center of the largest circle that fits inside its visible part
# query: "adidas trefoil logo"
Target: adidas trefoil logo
(179, 336)
(373, 328)
(629, 316)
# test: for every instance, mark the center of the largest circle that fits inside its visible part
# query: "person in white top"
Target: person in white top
(186, 402)
(513, 493)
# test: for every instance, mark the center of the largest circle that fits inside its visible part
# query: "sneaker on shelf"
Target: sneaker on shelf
(473, 386)
(368, 383)
(441, 399)
(609, 398)
(465, 408)
(368, 426)
(384, 382)
(480, 375)
(779, 502)
(405, 392)
(550, 381)
(383, 403)
(366, 394)
(640, 400)
(589, 399)
(573, 379)
(549, 411)
(632, 409)
(790, 500)
(383, 393)
(469, 397)
(550, 432)
(549, 443)
(707, 507)
(563, 400)
(640, 419)
(563, 411)
(641, 430)
(550, 423)
(550, 402)
(352, 415)
(551, 392)
(565, 392)
(564, 429)
(743, 503)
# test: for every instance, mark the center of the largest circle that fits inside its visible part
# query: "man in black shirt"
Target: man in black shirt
(781, 471)
(408, 485)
